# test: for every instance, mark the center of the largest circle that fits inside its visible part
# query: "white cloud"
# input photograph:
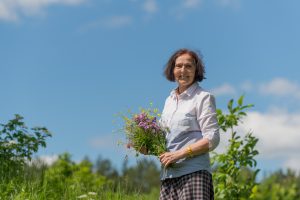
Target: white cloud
(278, 133)
(281, 87)
(150, 6)
(293, 163)
(11, 10)
(278, 128)
(225, 89)
(6, 12)
(49, 160)
(43, 159)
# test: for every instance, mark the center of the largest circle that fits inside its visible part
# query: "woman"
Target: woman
(190, 115)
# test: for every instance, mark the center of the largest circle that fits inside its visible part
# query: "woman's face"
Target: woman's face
(184, 71)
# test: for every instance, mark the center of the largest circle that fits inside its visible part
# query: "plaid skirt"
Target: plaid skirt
(197, 185)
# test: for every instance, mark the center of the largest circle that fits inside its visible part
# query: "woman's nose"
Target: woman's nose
(183, 68)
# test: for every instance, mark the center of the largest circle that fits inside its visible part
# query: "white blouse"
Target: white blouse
(190, 117)
(193, 110)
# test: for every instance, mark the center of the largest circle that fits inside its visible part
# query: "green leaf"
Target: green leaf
(229, 105)
(240, 100)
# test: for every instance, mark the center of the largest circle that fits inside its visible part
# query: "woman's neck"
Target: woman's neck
(181, 89)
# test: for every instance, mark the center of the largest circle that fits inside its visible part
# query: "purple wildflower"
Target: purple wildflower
(147, 123)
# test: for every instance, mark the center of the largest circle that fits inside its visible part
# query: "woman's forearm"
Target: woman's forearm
(199, 147)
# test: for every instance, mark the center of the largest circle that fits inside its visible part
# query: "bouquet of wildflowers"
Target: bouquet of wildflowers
(143, 131)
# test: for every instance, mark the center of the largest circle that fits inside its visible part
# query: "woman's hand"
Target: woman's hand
(171, 157)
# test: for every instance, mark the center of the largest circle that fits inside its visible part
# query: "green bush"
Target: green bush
(234, 170)
(17, 145)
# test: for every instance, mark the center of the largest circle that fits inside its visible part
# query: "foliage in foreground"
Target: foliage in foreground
(235, 173)
(234, 170)
(17, 145)
(135, 182)
(68, 180)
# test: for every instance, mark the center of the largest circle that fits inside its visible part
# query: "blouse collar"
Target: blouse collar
(187, 92)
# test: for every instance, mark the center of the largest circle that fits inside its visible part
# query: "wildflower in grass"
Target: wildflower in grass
(144, 132)
(82, 196)
(92, 193)
(86, 196)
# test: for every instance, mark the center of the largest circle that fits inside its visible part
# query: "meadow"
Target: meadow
(234, 171)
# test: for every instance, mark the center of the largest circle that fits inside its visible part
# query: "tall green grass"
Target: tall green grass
(65, 180)
(22, 189)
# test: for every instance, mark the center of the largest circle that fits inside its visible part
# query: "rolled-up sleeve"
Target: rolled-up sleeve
(207, 119)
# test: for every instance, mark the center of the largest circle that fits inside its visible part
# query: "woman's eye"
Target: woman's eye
(178, 65)
(187, 65)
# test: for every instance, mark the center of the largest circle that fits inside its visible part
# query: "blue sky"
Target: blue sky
(71, 65)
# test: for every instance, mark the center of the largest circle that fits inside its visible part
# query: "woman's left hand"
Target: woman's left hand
(171, 157)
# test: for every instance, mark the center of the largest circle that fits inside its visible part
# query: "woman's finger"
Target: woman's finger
(162, 156)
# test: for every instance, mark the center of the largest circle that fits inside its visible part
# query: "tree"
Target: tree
(141, 178)
(234, 170)
(17, 144)
(280, 185)
(104, 167)
(65, 177)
